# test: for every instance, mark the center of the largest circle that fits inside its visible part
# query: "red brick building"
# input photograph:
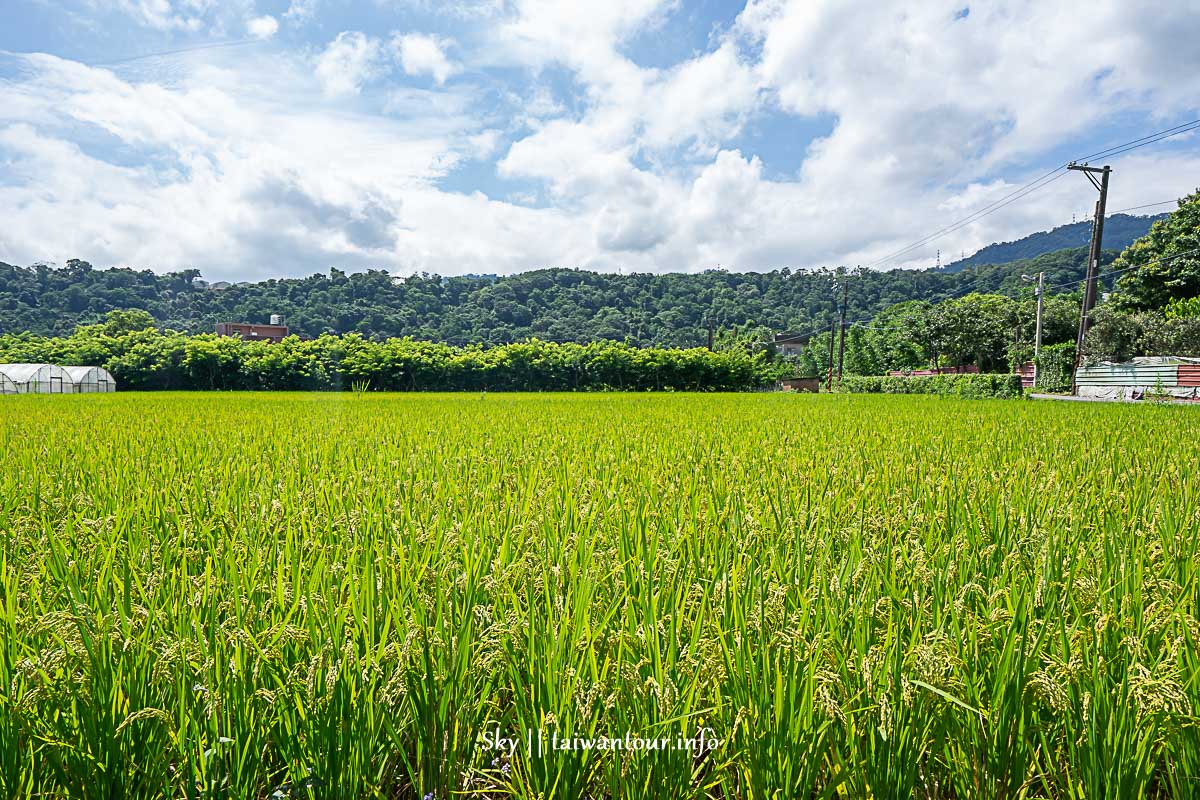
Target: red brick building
(252, 332)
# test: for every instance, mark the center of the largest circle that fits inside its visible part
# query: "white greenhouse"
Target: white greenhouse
(33, 379)
(85, 380)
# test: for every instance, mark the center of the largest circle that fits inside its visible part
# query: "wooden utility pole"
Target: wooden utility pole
(832, 336)
(1093, 265)
(842, 327)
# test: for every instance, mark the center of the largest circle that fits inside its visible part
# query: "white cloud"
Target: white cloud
(422, 54)
(255, 181)
(263, 27)
(350, 60)
(301, 11)
(286, 165)
(163, 14)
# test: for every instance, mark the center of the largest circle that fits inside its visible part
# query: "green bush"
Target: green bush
(152, 359)
(972, 386)
(1056, 364)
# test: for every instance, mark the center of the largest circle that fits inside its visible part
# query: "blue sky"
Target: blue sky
(254, 139)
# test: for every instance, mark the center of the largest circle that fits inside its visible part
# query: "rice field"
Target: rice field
(701, 596)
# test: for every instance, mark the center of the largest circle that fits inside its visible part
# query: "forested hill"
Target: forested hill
(1120, 230)
(552, 304)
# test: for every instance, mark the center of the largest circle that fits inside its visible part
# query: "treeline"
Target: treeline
(561, 305)
(1120, 231)
(1149, 307)
(142, 357)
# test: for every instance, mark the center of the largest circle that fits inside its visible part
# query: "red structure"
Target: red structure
(1026, 372)
(253, 333)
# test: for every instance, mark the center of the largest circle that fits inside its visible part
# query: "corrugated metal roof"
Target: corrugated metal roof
(1130, 374)
(1165, 360)
(1189, 374)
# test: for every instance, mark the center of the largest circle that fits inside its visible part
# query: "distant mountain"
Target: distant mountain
(1120, 230)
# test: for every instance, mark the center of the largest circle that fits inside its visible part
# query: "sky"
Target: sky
(253, 139)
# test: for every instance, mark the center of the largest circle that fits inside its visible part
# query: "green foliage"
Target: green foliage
(319, 596)
(562, 305)
(1182, 308)
(1056, 367)
(150, 359)
(1112, 336)
(967, 385)
(749, 338)
(1118, 336)
(119, 322)
(1152, 282)
(1119, 231)
(1167, 336)
(976, 329)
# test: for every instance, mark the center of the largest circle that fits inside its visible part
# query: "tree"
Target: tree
(1158, 270)
(908, 335)
(1112, 336)
(119, 322)
(978, 328)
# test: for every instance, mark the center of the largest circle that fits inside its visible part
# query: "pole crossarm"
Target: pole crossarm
(1093, 265)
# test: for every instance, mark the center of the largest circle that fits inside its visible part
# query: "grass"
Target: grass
(334, 596)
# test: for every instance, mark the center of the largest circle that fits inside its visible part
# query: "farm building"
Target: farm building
(85, 380)
(1143, 377)
(33, 379)
(277, 331)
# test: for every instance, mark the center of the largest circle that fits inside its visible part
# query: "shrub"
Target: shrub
(970, 386)
(1056, 364)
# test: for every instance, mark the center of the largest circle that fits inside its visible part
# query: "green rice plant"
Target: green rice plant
(359, 595)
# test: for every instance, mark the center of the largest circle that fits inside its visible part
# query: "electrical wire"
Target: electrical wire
(1029, 188)
(1147, 205)
(1110, 273)
(1038, 183)
(1152, 138)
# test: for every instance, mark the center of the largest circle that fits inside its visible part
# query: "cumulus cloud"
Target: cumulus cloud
(164, 15)
(263, 27)
(350, 60)
(422, 54)
(254, 181)
(300, 11)
(287, 165)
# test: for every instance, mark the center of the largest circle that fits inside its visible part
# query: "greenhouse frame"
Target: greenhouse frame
(86, 380)
(33, 379)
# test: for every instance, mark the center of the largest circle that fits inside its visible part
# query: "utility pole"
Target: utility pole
(1093, 265)
(832, 336)
(1037, 337)
(710, 333)
(842, 327)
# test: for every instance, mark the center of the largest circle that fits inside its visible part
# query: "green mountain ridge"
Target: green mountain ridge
(1120, 231)
(561, 305)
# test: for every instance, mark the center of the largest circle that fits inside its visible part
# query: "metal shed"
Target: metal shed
(1134, 380)
(34, 379)
(85, 380)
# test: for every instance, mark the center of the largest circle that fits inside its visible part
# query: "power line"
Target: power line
(861, 324)
(1147, 205)
(1133, 267)
(1038, 183)
(1152, 138)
